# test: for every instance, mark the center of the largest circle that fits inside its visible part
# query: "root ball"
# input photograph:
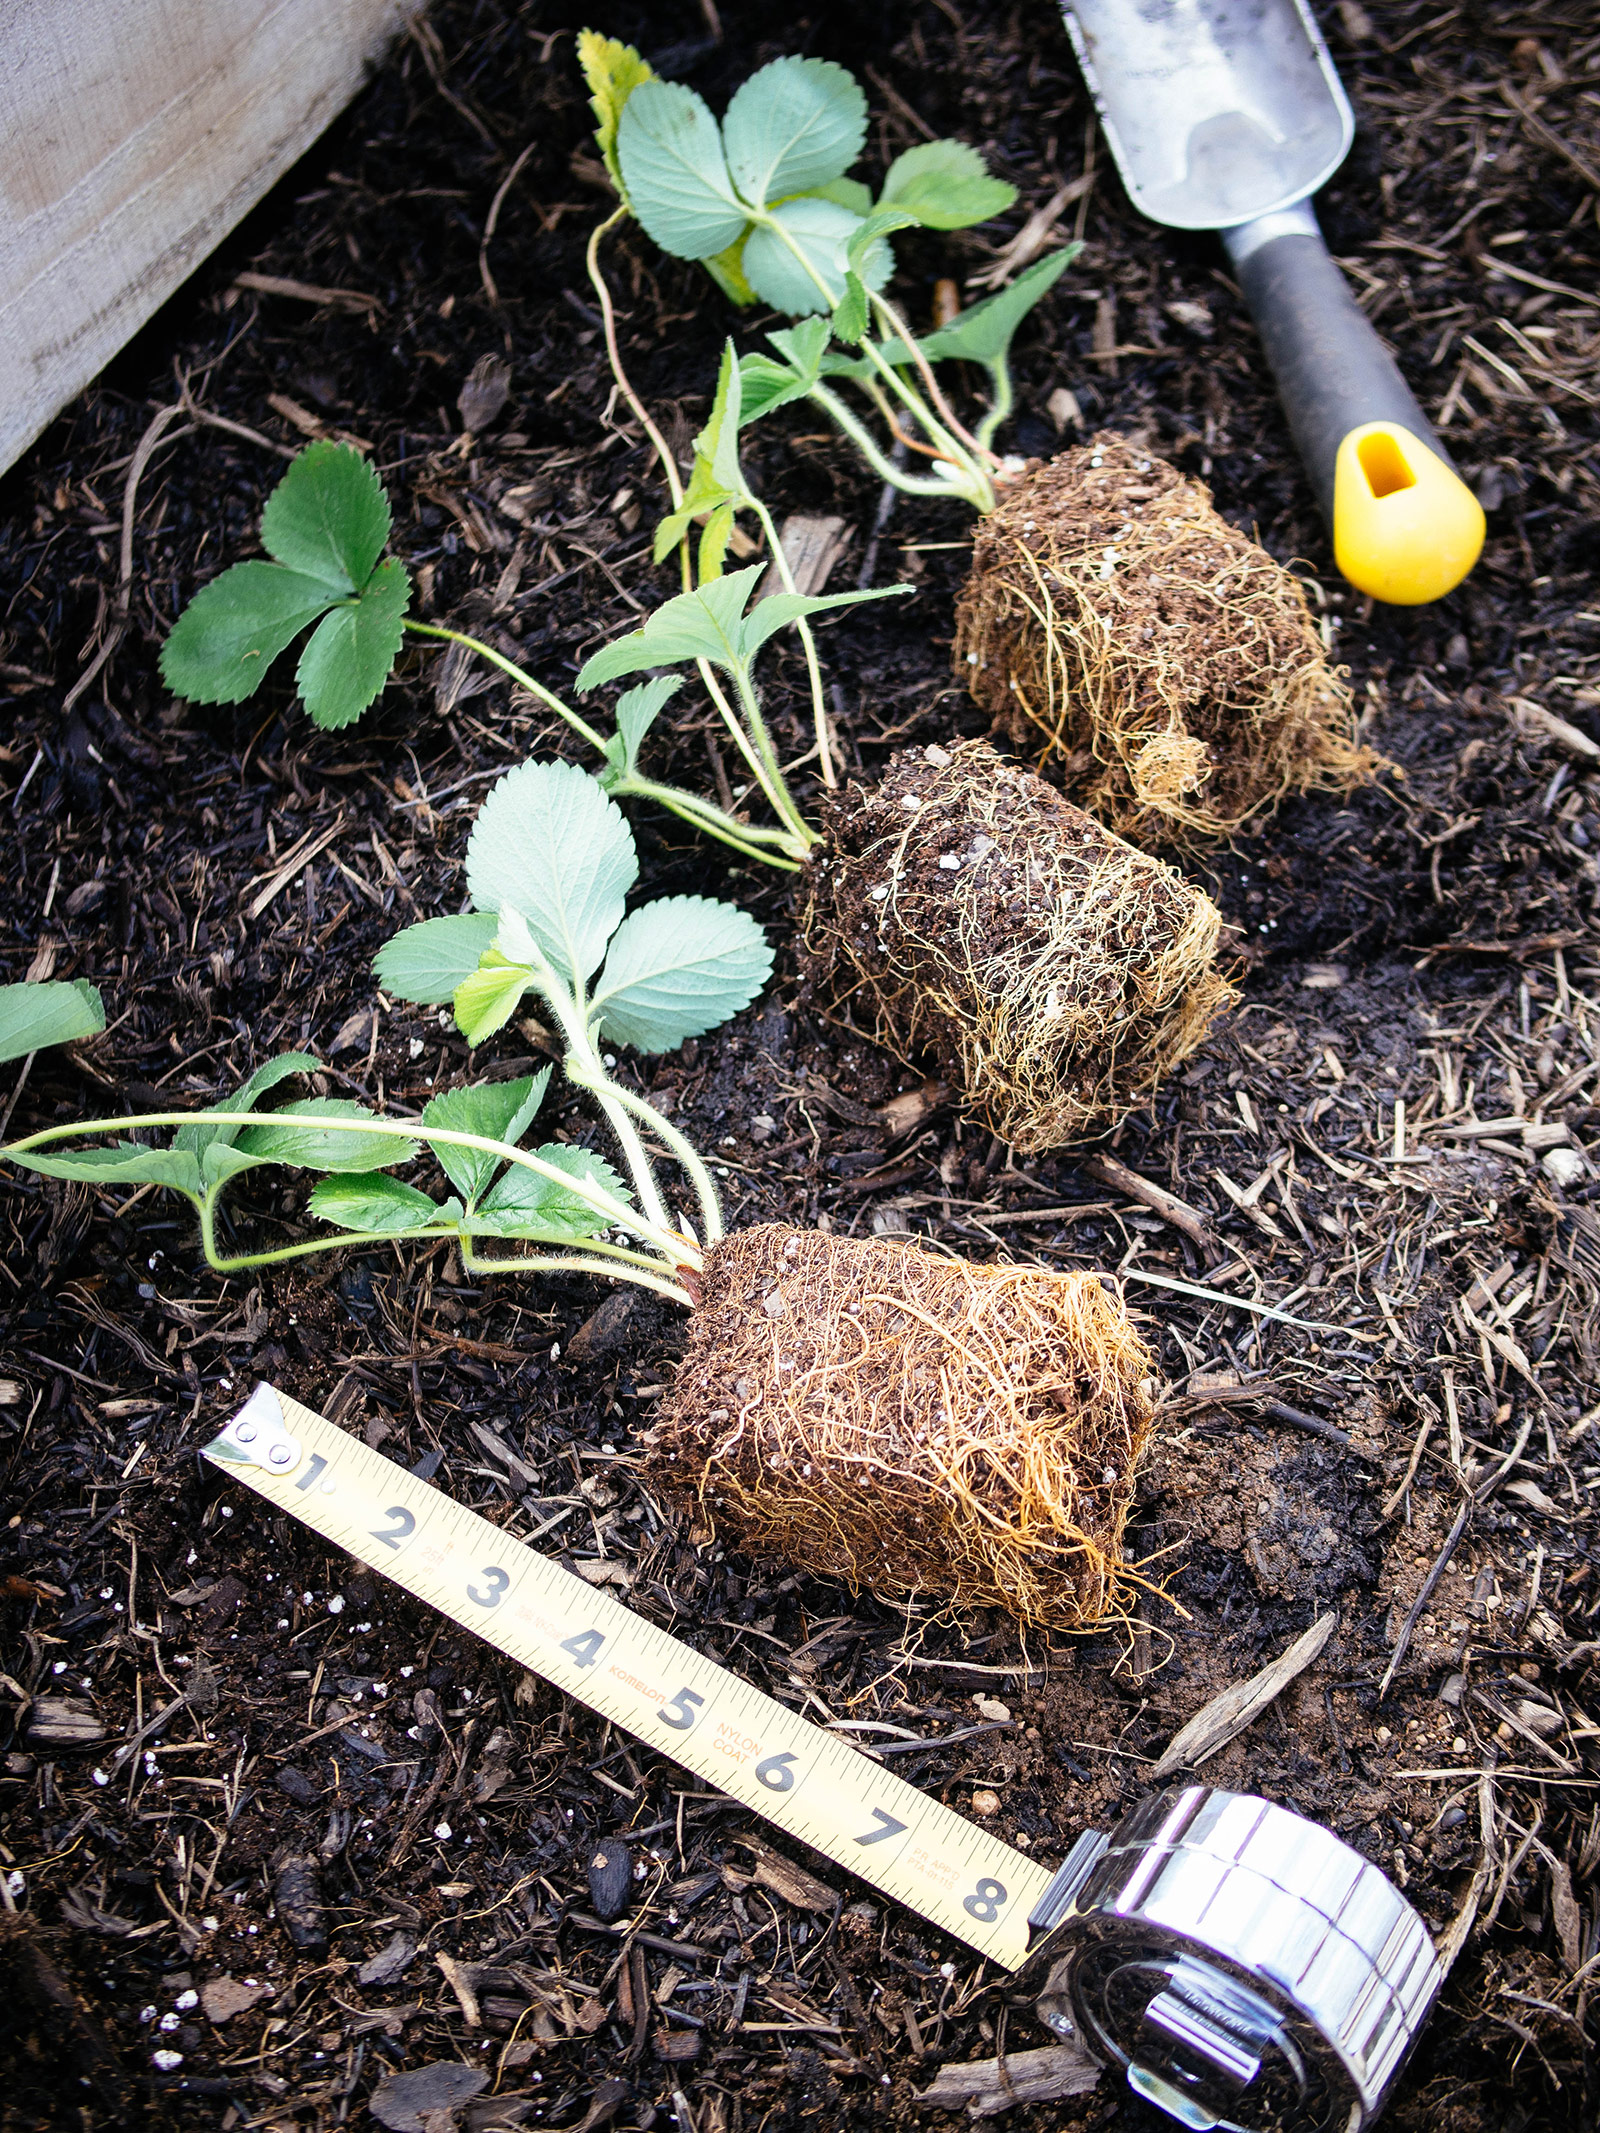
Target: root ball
(910, 1423)
(962, 908)
(1114, 619)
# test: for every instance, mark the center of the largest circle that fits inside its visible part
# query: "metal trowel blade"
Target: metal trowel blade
(1217, 111)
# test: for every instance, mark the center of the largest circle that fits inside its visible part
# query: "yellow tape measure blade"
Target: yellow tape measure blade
(798, 1776)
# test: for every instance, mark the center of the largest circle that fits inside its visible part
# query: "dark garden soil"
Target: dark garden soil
(267, 1818)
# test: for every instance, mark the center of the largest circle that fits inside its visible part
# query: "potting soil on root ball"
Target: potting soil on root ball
(912, 1423)
(962, 908)
(1113, 619)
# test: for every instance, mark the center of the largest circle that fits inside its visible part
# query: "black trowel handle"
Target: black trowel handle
(1406, 528)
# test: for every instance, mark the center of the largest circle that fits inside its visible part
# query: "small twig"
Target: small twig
(1227, 1715)
(160, 423)
(1160, 1202)
(1441, 1561)
(491, 222)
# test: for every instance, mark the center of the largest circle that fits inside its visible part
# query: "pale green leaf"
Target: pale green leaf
(678, 968)
(983, 333)
(820, 231)
(714, 543)
(549, 844)
(371, 1201)
(794, 125)
(945, 186)
(613, 71)
(307, 1136)
(670, 154)
(523, 1204)
(850, 313)
(845, 192)
(496, 1110)
(352, 651)
(778, 610)
(328, 518)
(34, 1016)
(638, 710)
(702, 624)
(488, 999)
(123, 1163)
(427, 962)
(221, 646)
(718, 443)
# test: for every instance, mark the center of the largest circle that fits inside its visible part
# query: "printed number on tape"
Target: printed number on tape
(799, 1777)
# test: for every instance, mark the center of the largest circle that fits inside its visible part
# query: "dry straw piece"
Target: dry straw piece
(913, 1424)
(1112, 618)
(962, 908)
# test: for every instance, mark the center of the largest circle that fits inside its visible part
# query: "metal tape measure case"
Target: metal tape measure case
(1244, 1967)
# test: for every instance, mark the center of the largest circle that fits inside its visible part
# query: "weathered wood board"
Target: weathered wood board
(133, 135)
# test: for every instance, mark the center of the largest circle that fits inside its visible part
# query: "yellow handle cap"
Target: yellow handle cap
(1406, 528)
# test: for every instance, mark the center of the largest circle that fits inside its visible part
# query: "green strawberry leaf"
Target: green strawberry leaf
(674, 173)
(549, 845)
(220, 647)
(677, 968)
(370, 1201)
(351, 653)
(523, 1204)
(34, 1016)
(498, 1111)
(945, 186)
(793, 126)
(328, 518)
(427, 962)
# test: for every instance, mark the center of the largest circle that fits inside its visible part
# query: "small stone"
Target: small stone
(405, 2102)
(610, 1879)
(1382, 1735)
(950, 862)
(224, 1997)
(990, 1707)
(985, 1803)
(940, 758)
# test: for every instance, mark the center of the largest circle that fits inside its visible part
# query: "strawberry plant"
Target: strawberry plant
(550, 867)
(764, 201)
(325, 527)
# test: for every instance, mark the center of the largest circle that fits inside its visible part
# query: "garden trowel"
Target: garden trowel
(1227, 115)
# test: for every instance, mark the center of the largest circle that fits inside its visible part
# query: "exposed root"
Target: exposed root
(962, 908)
(1114, 619)
(913, 1424)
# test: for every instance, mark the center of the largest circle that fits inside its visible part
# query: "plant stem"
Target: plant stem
(1000, 406)
(898, 326)
(710, 822)
(574, 1263)
(518, 674)
(688, 1155)
(672, 1246)
(614, 357)
(866, 444)
(772, 782)
(240, 1262)
(690, 806)
(819, 715)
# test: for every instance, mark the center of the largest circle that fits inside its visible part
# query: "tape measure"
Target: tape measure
(794, 1774)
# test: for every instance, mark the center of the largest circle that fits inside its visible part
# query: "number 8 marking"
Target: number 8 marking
(985, 1901)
